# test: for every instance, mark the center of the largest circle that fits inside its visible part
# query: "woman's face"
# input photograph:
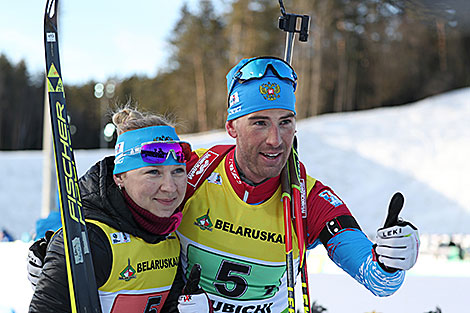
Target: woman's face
(157, 189)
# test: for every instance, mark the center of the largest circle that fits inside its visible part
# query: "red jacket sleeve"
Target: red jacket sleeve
(322, 206)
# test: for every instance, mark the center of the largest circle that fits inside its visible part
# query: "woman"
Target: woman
(130, 203)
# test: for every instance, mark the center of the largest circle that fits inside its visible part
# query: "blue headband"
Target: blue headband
(134, 139)
(257, 94)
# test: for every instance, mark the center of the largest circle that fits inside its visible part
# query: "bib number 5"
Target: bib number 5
(234, 285)
(236, 278)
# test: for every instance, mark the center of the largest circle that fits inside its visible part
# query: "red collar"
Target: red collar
(153, 224)
(249, 194)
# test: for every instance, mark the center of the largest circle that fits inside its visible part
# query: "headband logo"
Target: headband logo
(118, 151)
(270, 91)
(163, 138)
(119, 148)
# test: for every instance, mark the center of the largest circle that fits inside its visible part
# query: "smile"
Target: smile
(271, 155)
(166, 201)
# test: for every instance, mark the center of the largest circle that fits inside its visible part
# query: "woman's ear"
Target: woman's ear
(118, 180)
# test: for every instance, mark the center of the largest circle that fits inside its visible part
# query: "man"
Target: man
(233, 221)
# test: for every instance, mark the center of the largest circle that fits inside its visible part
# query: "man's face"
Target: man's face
(264, 140)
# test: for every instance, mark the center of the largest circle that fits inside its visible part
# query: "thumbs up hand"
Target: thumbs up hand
(397, 243)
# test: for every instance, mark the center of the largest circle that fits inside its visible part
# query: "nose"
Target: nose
(274, 136)
(168, 183)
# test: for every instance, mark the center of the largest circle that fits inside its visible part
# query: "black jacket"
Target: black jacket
(101, 201)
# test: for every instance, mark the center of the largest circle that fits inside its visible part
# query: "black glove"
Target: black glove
(194, 299)
(36, 255)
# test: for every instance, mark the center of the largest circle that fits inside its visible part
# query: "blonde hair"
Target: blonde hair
(129, 118)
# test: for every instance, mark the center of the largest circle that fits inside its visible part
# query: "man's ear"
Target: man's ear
(230, 127)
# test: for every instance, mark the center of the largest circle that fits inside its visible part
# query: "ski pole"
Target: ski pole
(294, 170)
(286, 200)
(80, 272)
(290, 23)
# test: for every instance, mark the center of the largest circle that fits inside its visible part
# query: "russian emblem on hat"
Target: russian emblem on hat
(270, 91)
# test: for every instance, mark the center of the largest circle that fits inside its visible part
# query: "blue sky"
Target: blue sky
(98, 39)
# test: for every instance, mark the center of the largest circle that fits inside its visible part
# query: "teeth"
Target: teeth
(272, 155)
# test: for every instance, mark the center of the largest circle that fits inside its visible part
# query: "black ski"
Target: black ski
(80, 271)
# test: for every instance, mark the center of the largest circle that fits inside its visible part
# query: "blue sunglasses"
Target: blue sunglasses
(256, 68)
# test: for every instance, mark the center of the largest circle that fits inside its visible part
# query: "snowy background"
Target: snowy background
(421, 149)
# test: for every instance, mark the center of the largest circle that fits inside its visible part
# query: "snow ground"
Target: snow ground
(432, 282)
(421, 149)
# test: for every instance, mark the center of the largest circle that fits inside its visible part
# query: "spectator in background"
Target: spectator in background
(6, 236)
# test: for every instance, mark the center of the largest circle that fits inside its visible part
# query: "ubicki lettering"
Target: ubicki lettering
(231, 308)
(157, 264)
(248, 232)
